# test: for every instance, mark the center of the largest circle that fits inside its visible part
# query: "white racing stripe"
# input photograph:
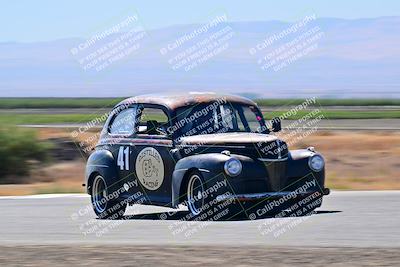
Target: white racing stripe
(46, 196)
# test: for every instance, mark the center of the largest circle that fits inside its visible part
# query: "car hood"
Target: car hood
(228, 139)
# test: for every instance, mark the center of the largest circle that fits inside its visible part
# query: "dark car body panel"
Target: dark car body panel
(100, 162)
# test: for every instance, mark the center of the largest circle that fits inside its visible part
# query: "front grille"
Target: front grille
(276, 174)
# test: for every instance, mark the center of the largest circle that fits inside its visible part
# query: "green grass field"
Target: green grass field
(341, 114)
(45, 118)
(13, 119)
(11, 103)
(107, 103)
(329, 102)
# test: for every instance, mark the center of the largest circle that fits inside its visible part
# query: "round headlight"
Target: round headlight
(316, 163)
(233, 167)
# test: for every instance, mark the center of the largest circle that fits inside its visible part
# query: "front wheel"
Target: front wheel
(103, 204)
(201, 202)
(196, 197)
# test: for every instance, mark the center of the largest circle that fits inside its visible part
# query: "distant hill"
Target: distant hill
(354, 58)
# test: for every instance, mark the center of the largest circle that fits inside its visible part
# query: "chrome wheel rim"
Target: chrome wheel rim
(195, 194)
(99, 193)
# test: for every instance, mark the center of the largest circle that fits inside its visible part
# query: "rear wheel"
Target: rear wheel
(103, 205)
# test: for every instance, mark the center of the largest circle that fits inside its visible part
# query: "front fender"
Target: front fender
(299, 170)
(209, 165)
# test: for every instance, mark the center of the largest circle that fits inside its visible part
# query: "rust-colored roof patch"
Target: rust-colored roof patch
(174, 101)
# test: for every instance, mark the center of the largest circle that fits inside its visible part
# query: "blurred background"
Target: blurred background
(64, 65)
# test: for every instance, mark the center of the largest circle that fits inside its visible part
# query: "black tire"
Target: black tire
(104, 206)
(195, 200)
(203, 206)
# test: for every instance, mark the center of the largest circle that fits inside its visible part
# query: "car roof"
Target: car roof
(174, 101)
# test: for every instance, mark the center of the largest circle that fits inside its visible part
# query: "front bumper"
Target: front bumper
(270, 195)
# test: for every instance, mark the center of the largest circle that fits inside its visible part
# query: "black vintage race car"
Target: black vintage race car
(213, 153)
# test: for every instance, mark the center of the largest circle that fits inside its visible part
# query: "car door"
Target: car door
(151, 160)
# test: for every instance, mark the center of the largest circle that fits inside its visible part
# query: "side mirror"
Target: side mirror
(276, 124)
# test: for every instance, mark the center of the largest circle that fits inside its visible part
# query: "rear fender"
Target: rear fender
(101, 162)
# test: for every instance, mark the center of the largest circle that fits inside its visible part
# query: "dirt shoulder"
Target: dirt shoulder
(358, 160)
(354, 161)
(194, 256)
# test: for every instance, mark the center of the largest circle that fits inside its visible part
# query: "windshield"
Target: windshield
(218, 118)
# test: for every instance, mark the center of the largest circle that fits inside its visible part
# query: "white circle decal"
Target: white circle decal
(150, 168)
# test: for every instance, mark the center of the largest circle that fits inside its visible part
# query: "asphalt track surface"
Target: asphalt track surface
(357, 219)
(350, 229)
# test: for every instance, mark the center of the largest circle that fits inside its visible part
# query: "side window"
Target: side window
(153, 121)
(124, 122)
(227, 116)
(242, 126)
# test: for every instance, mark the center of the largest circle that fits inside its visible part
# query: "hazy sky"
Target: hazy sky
(48, 20)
